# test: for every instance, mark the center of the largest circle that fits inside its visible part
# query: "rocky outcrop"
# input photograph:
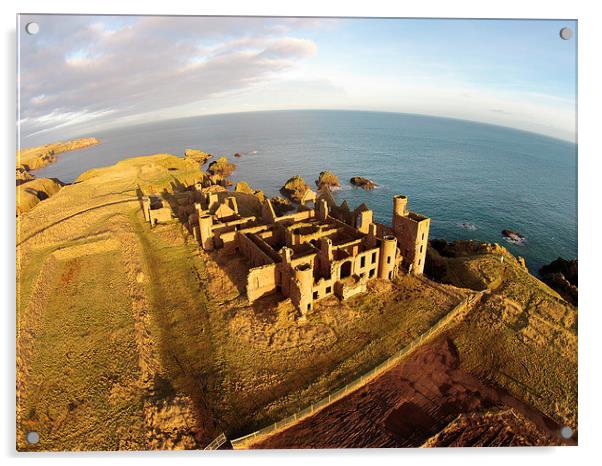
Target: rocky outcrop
(561, 275)
(492, 428)
(219, 180)
(513, 236)
(197, 155)
(31, 193)
(458, 263)
(295, 188)
(221, 167)
(34, 158)
(23, 176)
(462, 248)
(243, 187)
(281, 205)
(362, 182)
(327, 178)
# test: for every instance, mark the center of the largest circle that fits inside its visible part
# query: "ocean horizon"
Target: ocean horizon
(473, 179)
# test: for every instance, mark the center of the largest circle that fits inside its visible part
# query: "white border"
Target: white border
(590, 177)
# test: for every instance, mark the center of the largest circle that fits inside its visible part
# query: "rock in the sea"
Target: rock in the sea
(243, 187)
(221, 167)
(561, 275)
(34, 158)
(327, 178)
(362, 182)
(237, 154)
(294, 188)
(513, 236)
(468, 226)
(197, 155)
(281, 205)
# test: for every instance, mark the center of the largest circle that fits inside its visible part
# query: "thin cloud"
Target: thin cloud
(98, 70)
(84, 74)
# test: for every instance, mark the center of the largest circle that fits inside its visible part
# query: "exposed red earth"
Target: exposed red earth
(426, 400)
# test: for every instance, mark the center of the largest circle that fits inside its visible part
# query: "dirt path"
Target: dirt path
(68, 217)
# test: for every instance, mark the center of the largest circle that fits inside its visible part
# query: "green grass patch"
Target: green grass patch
(85, 360)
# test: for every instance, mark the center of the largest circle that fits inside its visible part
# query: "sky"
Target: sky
(84, 74)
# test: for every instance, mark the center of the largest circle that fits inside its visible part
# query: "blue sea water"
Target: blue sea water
(456, 172)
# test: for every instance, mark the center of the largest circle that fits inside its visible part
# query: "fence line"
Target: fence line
(217, 442)
(456, 312)
(439, 287)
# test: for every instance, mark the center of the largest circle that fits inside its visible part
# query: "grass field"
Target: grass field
(84, 367)
(88, 364)
(132, 338)
(268, 364)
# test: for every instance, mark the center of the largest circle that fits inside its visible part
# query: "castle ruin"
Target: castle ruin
(307, 255)
(314, 252)
(155, 211)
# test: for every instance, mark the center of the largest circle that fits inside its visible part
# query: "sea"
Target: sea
(472, 179)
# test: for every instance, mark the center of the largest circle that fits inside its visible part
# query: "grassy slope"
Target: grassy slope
(271, 365)
(87, 365)
(91, 350)
(30, 193)
(33, 158)
(522, 338)
(120, 348)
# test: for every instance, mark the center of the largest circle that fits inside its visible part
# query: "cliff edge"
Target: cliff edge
(34, 158)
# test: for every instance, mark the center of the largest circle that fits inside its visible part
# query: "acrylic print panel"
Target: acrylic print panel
(245, 232)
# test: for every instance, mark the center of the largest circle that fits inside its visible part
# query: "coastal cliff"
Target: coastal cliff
(141, 354)
(34, 158)
(562, 276)
(31, 193)
(31, 190)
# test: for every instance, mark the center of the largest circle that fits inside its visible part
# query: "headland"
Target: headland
(155, 300)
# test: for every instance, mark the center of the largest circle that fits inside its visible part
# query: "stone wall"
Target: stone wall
(161, 215)
(366, 263)
(412, 232)
(252, 252)
(261, 281)
(348, 288)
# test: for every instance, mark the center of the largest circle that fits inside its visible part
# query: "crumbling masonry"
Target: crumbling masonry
(307, 255)
(155, 211)
(315, 252)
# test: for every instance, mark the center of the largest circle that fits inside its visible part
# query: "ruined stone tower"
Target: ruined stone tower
(206, 231)
(308, 255)
(301, 294)
(388, 251)
(412, 232)
(363, 220)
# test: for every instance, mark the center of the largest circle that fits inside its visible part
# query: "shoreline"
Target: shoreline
(35, 158)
